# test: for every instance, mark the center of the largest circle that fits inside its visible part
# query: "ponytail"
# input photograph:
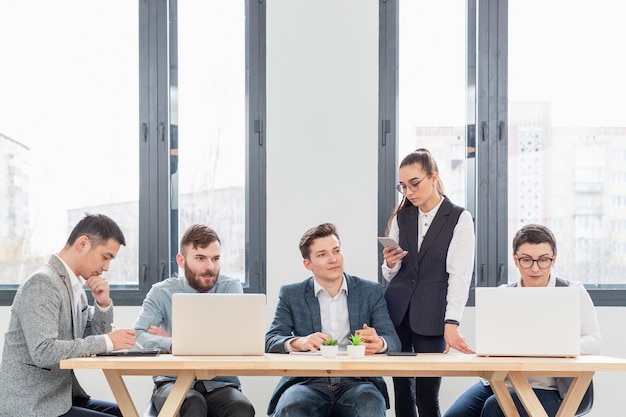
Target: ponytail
(425, 159)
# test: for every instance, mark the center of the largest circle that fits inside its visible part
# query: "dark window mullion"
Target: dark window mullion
(255, 205)
(501, 142)
(485, 232)
(388, 115)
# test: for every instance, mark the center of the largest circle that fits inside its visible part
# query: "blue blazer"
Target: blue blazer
(298, 314)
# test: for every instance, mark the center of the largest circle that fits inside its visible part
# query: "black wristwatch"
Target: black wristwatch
(450, 321)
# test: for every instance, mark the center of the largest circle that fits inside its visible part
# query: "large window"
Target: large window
(146, 111)
(423, 96)
(208, 109)
(567, 129)
(68, 123)
(431, 92)
(543, 138)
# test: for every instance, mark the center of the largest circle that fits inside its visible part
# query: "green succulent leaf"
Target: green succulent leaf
(330, 342)
(355, 339)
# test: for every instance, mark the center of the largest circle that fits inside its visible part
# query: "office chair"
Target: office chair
(152, 412)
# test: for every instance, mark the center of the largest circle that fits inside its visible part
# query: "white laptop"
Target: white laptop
(513, 321)
(218, 324)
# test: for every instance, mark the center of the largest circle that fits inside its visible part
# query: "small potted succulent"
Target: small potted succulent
(329, 348)
(356, 348)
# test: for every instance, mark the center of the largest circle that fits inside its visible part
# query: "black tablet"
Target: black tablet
(138, 352)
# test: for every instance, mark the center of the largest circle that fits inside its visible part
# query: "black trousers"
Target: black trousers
(222, 402)
(422, 392)
(88, 407)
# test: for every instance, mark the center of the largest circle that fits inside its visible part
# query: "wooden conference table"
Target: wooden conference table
(496, 370)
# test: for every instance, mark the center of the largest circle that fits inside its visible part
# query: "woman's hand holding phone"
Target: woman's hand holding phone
(392, 251)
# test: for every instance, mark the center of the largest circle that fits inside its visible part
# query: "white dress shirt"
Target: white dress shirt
(80, 298)
(334, 312)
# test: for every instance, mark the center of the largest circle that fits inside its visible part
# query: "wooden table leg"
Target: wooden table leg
(118, 387)
(526, 394)
(496, 380)
(575, 394)
(177, 394)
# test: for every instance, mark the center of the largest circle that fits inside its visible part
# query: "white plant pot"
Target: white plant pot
(329, 351)
(356, 352)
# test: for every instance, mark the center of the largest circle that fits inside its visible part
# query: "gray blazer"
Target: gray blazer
(298, 314)
(43, 330)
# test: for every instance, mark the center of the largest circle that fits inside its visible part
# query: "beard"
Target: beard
(201, 282)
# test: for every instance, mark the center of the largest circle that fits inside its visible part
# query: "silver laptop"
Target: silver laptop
(512, 321)
(218, 324)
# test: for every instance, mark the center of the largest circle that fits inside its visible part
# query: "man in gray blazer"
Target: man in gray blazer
(331, 304)
(51, 321)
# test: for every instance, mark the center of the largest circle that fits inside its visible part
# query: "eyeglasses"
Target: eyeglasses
(527, 263)
(412, 186)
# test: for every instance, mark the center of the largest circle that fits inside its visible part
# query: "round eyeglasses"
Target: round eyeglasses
(411, 186)
(527, 263)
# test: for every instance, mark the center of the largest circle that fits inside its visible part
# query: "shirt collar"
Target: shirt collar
(74, 280)
(317, 287)
(433, 212)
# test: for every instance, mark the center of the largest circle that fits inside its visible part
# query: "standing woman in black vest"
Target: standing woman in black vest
(429, 276)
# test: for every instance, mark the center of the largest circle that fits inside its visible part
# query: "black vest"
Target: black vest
(421, 285)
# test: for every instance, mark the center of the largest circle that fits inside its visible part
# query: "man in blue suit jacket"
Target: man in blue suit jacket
(334, 305)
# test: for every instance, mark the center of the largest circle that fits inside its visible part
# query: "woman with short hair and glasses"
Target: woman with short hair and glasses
(429, 275)
(534, 254)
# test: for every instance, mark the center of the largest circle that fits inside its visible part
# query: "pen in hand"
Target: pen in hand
(114, 327)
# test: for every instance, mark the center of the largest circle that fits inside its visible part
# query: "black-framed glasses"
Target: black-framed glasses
(527, 263)
(412, 186)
